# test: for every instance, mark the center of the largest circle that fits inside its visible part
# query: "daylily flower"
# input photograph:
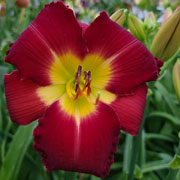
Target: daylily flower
(84, 83)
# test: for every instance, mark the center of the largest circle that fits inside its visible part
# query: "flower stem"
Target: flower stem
(22, 15)
(136, 144)
(167, 63)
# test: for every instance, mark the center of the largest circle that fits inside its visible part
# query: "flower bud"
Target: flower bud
(167, 40)
(167, 14)
(136, 27)
(2, 8)
(150, 19)
(176, 78)
(119, 16)
(22, 3)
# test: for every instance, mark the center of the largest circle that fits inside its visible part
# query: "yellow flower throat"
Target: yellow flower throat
(78, 85)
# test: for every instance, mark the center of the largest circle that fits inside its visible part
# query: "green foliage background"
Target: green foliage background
(145, 157)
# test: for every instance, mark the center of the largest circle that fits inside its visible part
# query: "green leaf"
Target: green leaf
(151, 176)
(17, 149)
(175, 163)
(173, 172)
(3, 70)
(127, 153)
(116, 165)
(168, 99)
(178, 175)
(1, 105)
(117, 176)
(70, 175)
(160, 137)
(138, 173)
(149, 93)
(95, 178)
(166, 116)
(154, 166)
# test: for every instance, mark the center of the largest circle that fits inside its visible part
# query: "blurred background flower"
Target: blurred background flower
(2, 8)
(22, 3)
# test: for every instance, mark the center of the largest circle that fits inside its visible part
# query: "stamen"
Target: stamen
(77, 87)
(97, 98)
(85, 75)
(77, 93)
(78, 75)
(79, 69)
(88, 76)
(87, 83)
(88, 89)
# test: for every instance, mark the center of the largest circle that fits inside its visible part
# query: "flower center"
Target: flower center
(80, 86)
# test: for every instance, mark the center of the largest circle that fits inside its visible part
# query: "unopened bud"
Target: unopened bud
(176, 78)
(150, 19)
(119, 16)
(136, 27)
(167, 14)
(22, 3)
(167, 40)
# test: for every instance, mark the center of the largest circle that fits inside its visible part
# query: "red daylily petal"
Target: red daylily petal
(83, 26)
(131, 63)
(54, 31)
(23, 104)
(88, 147)
(130, 110)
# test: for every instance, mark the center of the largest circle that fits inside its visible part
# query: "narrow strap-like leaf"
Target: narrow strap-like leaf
(17, 149)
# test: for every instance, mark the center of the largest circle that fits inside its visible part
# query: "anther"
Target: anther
(77, 87)
(78, 74)
(87, 83)
(79, 70)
